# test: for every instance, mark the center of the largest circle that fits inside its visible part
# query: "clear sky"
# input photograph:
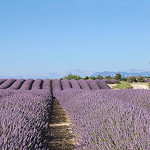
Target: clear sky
(50, 35)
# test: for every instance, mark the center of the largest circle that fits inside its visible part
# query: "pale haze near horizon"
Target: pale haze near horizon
(48, 36)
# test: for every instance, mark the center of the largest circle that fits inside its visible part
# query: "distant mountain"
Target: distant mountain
(61, 74)
(54, 75)
(82, 73)
(123, 74)
(5, 77)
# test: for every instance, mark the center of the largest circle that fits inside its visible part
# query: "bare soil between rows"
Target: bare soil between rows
(61, 134)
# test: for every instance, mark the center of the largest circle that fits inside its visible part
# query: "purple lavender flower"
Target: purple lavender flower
(84, 84)
(17, 84)
(65, 84)
(27, 85)
(93, 84)
(75, 84)
(7, 83)
(2, 81)
(37, 84)
(102, 84)
(24, 122)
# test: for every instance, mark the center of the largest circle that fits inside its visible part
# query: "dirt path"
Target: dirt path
(62, 138)
(140, 85)
(111, 85)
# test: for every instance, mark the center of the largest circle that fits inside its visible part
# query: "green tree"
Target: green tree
(71, 76)
(93, 78)
(86, 78)
(100, 77)
(131, 79)
(108, 77)
(139, 78)
(118, 76)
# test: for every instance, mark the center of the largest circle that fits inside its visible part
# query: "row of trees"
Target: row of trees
(117, 77)
(76, 77)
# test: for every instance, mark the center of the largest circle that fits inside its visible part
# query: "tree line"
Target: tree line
(118, 77)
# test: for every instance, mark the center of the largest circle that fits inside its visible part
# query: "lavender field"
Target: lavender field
(108, 119)
(101, 118)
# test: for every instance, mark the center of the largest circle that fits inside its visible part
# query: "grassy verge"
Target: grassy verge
(122, 85)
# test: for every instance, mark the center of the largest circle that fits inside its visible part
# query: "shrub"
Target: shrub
(93, 78)
(118, 76)
(124, 79)
(100, 77)
(108, 77)
(140, 79)
(131, 79)
(71, 76)
(86, 78)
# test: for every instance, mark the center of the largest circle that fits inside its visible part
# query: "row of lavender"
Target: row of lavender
(24, 118)
(56, 84)
(22, 84)
(79, 84)
(108, 119)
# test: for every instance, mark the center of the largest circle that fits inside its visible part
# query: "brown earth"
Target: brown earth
(62, 138)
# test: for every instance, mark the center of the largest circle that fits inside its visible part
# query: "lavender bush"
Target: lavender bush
(148, 80)
(47, 85)
(108, 119)
(7, 83)
(56, 85)
(84, 84)
(92, 84)
(111, 81)
(102, 84)
(24, 119)
(17, 84)
(2, 81)
(27, 85)
(75, 84)
(65, 84)
(37, 84)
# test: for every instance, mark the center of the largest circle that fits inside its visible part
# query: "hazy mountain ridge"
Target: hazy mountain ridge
(123, 74)
(82, 73)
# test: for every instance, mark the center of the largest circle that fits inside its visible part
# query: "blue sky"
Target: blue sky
(50, 35)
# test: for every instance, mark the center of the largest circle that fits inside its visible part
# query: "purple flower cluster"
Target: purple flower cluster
(47, 85)
(108, 119)
(65, 84)
(75, 84)
(110, 81)
(148, 80)
(7, 83)
(92, 84)
(84, 85)
(2, 80)
(24, 119)
(56, 86)
(27, 85)
(102, 84)
(17, 84)
(30, 84)
(37, 84)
